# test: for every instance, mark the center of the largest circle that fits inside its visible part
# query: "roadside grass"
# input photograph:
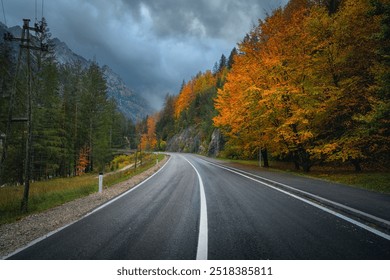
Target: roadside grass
(370, 180)
(378, 181)
(120, 161)
(48, 194)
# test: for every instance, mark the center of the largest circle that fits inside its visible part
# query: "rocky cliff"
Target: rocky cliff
(192, 140)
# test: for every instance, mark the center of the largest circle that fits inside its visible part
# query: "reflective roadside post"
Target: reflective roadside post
(100, 182)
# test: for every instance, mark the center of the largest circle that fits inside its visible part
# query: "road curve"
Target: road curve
(193, 208)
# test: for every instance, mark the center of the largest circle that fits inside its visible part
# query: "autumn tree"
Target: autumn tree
(234, 106)
(201, 84)
(349, 53)
(379, 125)
(307, 82)
(82, 161)
(266, 91)
(148, 138)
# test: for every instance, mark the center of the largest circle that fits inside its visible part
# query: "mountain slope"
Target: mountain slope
(64, 55)
(131, 104)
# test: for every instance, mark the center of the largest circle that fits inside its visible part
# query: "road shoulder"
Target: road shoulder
(19, 234)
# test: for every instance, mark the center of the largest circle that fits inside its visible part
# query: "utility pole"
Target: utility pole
(25, 43)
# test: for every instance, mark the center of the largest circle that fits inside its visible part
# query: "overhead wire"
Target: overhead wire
(36, 19)
(5, 19)
(36, 12)
(36, 9)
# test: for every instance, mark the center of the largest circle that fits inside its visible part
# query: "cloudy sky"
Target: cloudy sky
(153, 44)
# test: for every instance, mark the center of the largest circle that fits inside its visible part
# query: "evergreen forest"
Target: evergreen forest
(75, 127)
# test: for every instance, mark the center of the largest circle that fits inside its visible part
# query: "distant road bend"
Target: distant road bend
(199, 208)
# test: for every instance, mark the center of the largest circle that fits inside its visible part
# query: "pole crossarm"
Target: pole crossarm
(38, 28)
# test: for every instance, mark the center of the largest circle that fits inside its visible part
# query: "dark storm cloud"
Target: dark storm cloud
(152, 44)
(217, 18)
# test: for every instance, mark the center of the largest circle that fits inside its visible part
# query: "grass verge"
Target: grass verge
(48, 194)
(371, 180)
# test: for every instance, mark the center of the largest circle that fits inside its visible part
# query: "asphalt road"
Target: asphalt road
(193, 209)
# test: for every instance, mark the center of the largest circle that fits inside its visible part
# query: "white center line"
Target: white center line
(201, 253)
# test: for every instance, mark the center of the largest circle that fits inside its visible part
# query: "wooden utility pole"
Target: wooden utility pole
(27, 164)
(25, 43)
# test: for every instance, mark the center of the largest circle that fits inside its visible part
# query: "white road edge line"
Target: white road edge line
(310, 194)
(35, 241)
(201, 253)
(352, 221)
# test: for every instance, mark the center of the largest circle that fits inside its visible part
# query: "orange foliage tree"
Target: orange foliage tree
(83, 160)
(302, 85)
(198, 85)
(148, 139)
(265, 102)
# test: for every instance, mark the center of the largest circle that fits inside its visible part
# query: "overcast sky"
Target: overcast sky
(153, 44)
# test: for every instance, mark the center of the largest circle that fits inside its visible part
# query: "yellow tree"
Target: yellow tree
(149, 139)
(303, 84)
(289, 101)
(345, 63)
(83, 160)
(240, 113)
(185, 98)
(197, 86)
(271, 98)
(379, 125)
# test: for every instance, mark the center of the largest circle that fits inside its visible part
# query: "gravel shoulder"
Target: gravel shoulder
(19, 234)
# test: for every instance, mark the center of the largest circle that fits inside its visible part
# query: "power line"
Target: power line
(5, 20)
(36, 9)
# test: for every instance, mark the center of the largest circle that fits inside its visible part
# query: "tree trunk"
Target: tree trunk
(296, 160)
(264, 154)
(305, 161)
(306, 166)
(356, 164)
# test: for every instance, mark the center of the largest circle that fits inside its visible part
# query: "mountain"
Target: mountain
(134, 107)
(64, 55)
(130, 103)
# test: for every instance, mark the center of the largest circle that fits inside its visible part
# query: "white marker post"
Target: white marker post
(100, 182)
